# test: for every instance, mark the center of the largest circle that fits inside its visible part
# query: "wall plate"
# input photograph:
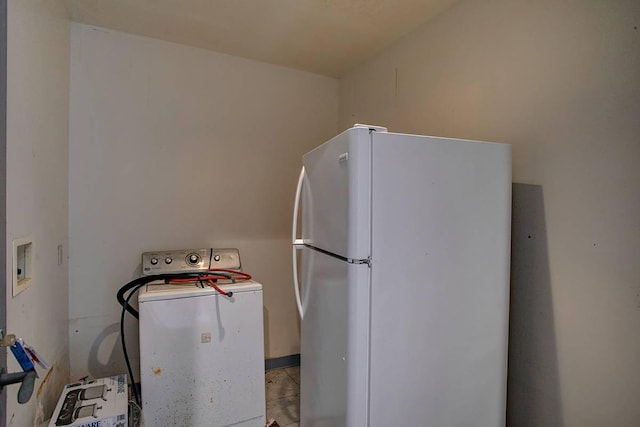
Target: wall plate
(22, 264)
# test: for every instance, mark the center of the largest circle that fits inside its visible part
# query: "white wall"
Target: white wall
(37, 196)
(177, 147)
(561, 82)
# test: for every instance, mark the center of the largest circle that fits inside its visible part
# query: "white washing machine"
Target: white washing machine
(201, 353)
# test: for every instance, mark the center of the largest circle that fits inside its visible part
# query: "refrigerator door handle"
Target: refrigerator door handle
(297, 243)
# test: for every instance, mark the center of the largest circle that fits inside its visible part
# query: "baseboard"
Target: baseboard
(282, 362)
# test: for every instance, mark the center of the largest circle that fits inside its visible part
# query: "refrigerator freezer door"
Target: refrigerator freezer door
(336, 195)
(334, 358)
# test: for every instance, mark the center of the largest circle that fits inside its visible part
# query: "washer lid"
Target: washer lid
(162, 291)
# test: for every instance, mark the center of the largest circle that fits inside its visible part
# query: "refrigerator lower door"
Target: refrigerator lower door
(334, 361)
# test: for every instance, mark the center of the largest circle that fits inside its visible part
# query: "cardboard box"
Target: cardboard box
(93, 403)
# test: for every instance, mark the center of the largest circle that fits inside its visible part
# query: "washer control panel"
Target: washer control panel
(189, 260)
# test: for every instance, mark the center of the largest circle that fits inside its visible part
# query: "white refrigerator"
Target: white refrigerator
(403, 287)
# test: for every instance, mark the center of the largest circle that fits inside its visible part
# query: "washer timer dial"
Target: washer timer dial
(193, 258)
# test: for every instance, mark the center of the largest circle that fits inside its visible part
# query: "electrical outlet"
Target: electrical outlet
(22, 264)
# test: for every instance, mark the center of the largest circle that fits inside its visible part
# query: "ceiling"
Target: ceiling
(322, 36)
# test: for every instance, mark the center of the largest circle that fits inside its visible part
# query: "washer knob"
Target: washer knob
(168, 260)
(193, 258)
(154, 261)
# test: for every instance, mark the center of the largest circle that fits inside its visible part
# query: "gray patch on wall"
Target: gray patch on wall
(533, 389)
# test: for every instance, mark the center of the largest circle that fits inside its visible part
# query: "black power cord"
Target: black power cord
(124, 345)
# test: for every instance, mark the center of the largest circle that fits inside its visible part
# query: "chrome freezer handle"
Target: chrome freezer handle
(297, 243)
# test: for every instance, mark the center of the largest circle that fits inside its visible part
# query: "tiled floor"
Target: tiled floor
(283, 396)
